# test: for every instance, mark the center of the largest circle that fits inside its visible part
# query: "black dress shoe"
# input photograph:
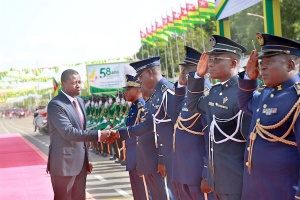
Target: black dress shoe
(123, 163)
(104, 154)
(112, 158)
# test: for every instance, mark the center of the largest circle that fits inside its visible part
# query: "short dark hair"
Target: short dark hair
(67, 73)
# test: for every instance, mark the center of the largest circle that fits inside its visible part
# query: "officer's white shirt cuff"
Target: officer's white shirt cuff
(246, 77)
(179, 85)
(196, 76)
(99, 135)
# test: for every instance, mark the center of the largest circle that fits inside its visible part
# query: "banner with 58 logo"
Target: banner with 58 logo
(108, 75)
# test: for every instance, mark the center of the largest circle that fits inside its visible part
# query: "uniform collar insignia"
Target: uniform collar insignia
(225, 99)
(206, 91)
(232, 81)
(279, 87)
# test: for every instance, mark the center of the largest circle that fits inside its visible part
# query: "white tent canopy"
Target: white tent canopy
(234, 6)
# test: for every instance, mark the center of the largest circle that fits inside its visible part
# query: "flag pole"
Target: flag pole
(154, 40)
(202, 37)
(177, 51)
(142, 51)
(171, 54)
(167, 75)
(148, 50)
(191, 33)
(184, 35)
(176, 42)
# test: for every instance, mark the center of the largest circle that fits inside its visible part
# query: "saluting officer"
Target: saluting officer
(147, 159)
(272, 156)
(189, 143)
(160, 118)
(133, 94)
(227, 123)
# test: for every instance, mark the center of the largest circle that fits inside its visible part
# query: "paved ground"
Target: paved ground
(108, 181)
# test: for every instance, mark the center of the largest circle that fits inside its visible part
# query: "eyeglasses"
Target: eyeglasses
(217, 60)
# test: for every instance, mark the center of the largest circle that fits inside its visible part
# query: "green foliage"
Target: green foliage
(243, 27)
(290, 18)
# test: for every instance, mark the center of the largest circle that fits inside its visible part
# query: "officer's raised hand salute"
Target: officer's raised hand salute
(252, 66)
(202, 65)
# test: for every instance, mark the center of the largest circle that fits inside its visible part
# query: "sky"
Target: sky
(45, 33)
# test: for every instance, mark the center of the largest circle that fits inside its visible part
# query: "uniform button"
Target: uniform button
(217, 104)
(258, 120)
(265, 105)
(248, 149)
(211, 149)
(137, 142)
(271, 95)
(257, 110)
(161, 145)
(220, 93)
(247, 164)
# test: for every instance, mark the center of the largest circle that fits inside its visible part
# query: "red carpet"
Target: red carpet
(22, 170)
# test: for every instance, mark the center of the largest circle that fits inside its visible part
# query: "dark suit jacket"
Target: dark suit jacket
(67, 148)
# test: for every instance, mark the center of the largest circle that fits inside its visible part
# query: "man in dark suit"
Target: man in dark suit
(68, 160)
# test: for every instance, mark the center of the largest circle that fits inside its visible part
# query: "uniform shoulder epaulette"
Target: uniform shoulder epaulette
(139, 105)
(164, 88)
(297, 87)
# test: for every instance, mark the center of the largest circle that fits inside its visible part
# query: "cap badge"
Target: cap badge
(212, 41)
(260, 39)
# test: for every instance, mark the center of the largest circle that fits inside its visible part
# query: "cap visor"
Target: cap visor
(268, 54)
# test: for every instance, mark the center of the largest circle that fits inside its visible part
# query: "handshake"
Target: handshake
(109, 136)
